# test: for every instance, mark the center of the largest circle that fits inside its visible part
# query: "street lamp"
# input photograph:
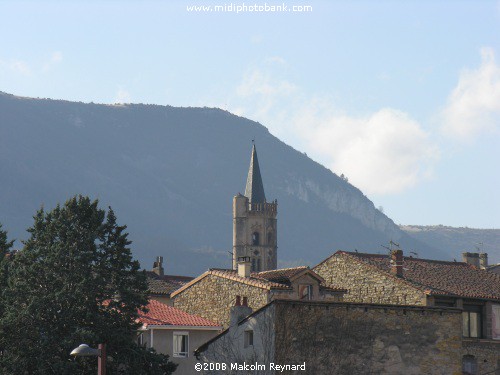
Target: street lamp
(86, 351)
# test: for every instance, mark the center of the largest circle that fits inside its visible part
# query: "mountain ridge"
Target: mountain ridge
(170, 174)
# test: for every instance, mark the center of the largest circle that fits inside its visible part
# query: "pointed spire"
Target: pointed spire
(254, 190)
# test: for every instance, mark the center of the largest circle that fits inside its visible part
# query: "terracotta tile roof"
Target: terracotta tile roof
(440, 277)
(166, 284)
(161, 314)
(255, 279)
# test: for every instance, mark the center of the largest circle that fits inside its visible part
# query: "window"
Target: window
(248, 339)
(495, 323)
(469, 365)
(255, 238)
(471, 321)
(270, 238)
(305, 292)
(181, 344)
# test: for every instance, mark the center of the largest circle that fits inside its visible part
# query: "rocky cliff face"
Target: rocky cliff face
(349, 200)
(170, 174)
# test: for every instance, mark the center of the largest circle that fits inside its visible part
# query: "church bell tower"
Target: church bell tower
(254, 223)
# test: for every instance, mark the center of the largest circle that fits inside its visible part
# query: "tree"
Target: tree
(5, 247)
(75, 282)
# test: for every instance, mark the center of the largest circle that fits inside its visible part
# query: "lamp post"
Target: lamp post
(86, 351)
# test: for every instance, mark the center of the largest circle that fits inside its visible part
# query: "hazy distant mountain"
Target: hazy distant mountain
(171, 173)
(455, 241)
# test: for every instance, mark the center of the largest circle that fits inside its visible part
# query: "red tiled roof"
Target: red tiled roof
(440, 277)
(166, 284)
(161, 314)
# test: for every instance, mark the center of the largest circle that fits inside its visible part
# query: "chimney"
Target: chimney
(239, 311)
(158, 266)
(472, 258)
(397, 263)
(244, 266)
(483, 261)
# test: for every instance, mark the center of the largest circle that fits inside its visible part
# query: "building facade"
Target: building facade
(213, 294)
(399, 280)
(175, 333)
(340, 338)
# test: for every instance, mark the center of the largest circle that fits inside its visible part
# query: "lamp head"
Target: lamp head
(84, 351)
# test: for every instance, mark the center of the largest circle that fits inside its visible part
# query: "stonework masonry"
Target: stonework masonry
(487, 354)
(212, 298)
(346, 338)
(367, 285)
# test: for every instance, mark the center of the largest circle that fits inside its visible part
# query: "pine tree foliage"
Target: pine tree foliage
(5, 253)
(75, 282)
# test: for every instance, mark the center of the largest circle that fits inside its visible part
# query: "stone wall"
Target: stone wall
(340, 338)
(212, 298)
(367, 285)
(486, 353)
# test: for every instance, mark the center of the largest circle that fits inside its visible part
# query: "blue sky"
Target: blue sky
(401, 97)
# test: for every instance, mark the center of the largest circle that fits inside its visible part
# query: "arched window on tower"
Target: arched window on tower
(255, 238)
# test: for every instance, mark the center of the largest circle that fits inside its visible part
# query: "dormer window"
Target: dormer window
(305, 292)
(255, 238)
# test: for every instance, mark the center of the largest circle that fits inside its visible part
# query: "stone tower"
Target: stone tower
(254, 223)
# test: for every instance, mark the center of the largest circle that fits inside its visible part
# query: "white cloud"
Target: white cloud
(17, 66)
(122, 96)
(474, 105)
(54, 59)
(381, 153)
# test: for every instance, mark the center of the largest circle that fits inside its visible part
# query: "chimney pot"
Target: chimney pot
(158, 266)
(397, 262)
(238, 303)
(245, 301)
(483, 260)
(471, 258)
(244, 266)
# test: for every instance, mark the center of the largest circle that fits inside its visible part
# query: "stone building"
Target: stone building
(396, 279)
(338, 338)
(175, 333)
(212, 294)
(254, 223)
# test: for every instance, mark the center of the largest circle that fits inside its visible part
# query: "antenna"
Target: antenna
(391, 244)
(479, 247)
